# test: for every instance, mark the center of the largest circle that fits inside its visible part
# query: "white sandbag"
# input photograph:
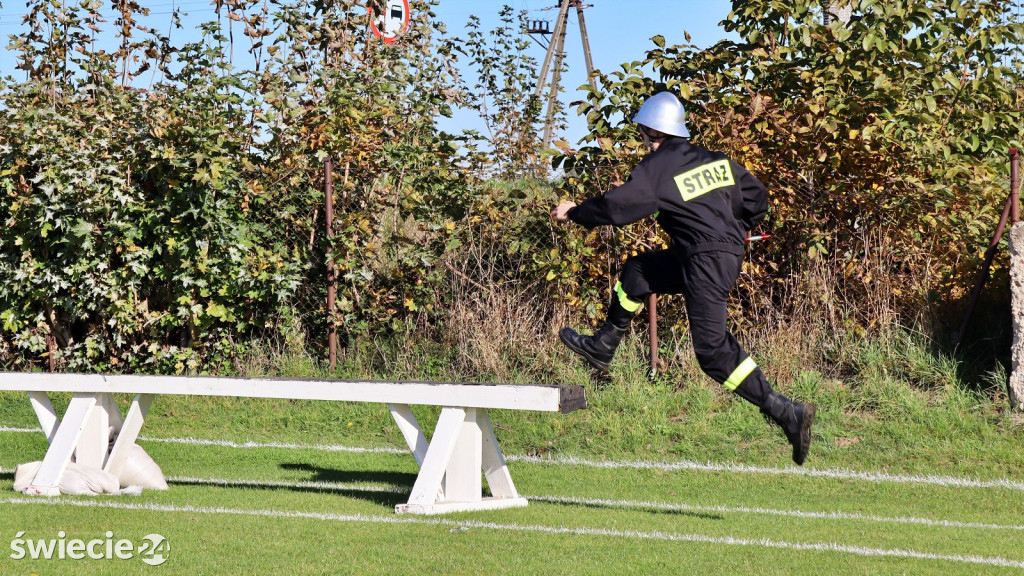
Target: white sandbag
(24, 474)
(77, 479)
(141, 470)
(83, 481)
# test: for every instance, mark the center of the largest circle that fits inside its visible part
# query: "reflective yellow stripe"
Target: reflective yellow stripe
(628, 304)
(740, 374)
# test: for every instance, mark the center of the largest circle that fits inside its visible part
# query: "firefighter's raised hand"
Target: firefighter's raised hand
(562, 210)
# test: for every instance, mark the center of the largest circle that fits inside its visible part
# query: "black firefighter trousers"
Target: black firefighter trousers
(705, 280)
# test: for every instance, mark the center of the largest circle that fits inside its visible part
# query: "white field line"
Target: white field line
(582, 531)
(835, 474)
(605, 503)
(876, 477)
(667, 506)
(682, 507)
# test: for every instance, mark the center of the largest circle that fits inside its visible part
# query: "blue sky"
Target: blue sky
(619, 31)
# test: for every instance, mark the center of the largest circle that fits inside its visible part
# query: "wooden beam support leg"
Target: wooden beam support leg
(495, 470)
(462, 446)
(462, 480)
(114, 413)
(411, 430)
(47, 416)
(128, 434)
(47, 480)
(435, 461)
(94, 442)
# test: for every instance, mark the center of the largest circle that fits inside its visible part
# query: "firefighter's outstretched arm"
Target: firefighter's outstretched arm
(621, 205)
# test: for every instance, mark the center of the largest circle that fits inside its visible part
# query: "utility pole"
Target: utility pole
(586, 45)
(841, 11)
(556, 52)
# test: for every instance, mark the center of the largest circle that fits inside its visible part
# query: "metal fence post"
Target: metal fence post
(332, 328)
(1014, 186)
(652, 309)
(1011, 208)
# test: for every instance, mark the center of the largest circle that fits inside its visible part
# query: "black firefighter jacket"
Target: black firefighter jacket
(703, 200)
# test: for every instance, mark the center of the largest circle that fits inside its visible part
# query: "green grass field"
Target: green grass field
(712, 491)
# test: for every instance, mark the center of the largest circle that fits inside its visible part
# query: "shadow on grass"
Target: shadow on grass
(984, 356)
(319, 474)
(381, 488)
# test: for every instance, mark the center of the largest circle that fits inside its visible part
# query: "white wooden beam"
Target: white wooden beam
(463, 444)
(503, 396)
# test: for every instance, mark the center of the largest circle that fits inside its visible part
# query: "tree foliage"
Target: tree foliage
(163, 203)
(150, 228)
(503, 95)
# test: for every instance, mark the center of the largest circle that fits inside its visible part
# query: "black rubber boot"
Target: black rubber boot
(795, 419)
(599, 349)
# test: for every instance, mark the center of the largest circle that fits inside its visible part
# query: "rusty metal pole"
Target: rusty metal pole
(652, 310)
(652, 307)
(989, 255)
(51, 347)
(1011, 213)
(332, 281)
(1014, 186)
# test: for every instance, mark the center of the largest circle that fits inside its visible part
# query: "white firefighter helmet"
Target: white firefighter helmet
(663, 112)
